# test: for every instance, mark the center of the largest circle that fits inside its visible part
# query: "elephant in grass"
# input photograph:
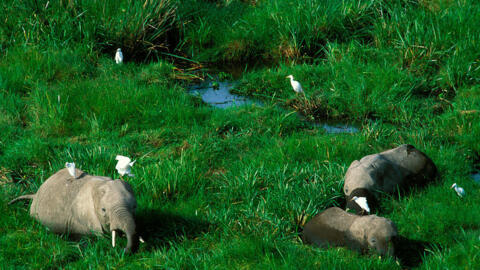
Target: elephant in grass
(84, 205)
(336, 227)
(401, 167)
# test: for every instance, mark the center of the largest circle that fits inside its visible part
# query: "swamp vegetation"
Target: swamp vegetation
(231, 188)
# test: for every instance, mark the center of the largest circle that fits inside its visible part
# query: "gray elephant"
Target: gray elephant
(85, 205)
(400, 167)
(336, 227)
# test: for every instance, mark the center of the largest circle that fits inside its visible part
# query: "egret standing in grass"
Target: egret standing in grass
(362, 202)
(71, 169)
(119, 56)
(297, 87)
(460, 191)
(124, 165)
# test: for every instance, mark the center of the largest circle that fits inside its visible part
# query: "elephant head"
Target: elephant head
(382, 239)
(375, 233)
(115, 206)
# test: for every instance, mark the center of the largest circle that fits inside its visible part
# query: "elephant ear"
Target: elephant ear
(97, 194)
(129, 188)
(356, 235)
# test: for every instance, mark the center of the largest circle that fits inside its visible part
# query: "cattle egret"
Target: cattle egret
(460, 191)
(71, 169)
(119, 56)
(124, 165)
(297, 87)
(362, 202)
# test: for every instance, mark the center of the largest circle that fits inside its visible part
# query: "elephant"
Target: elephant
(336, 227)
(85, 205)
(385, 172)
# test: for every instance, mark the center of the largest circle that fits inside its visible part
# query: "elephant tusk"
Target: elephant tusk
(113, 238)
(141, 240)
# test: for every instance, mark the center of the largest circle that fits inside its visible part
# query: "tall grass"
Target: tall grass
(141, 28)
(435, 43)
(274, 29)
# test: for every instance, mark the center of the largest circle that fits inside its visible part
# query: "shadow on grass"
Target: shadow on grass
(159, 229)
(410, 252)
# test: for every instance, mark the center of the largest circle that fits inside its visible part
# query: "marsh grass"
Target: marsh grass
(232, 188)
(142, 29)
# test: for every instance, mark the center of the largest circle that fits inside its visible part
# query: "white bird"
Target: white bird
(297, 87)
(71, 169)
(124, 165)
(362, 202)
(119, 56)
(460, 191)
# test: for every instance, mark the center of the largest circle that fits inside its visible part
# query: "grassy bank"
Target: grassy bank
(232, 188)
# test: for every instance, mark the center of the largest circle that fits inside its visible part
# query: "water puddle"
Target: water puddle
(476, 177)
(331, 127)
(338, 128)
(218, 95)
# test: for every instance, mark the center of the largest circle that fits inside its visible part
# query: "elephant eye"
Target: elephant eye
(103, 209)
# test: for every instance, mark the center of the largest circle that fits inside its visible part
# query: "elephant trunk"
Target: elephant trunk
(122, 219)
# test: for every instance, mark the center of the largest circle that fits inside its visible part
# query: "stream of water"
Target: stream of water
(219, 96)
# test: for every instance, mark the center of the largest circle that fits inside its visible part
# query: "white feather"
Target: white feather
(124, 165)
(71, 169)
(297, 87)
(119, 56)
(460, 191)
(362, 202)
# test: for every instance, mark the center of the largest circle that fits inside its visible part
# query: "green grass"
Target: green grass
(231, 188)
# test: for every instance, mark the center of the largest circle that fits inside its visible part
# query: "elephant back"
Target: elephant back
(328, 227)
(53, 200)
